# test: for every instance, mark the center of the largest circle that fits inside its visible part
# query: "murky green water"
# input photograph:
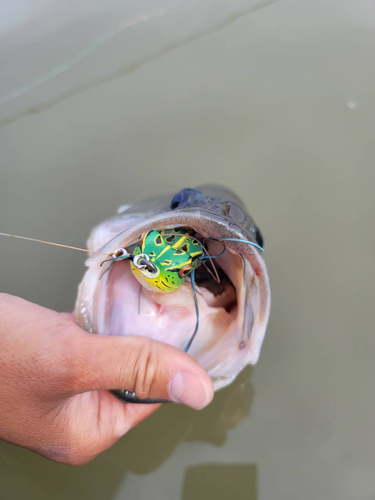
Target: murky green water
(275, 100)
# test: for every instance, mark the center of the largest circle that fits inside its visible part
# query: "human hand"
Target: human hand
(55, 377)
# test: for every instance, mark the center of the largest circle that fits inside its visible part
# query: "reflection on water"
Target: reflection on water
(220, 482)
(228, 408)
(161, 433)
(174, 423)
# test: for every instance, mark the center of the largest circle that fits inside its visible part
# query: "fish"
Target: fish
(233, 303)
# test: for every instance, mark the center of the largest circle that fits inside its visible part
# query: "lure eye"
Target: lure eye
(142, 262)
(184, 197)
(258, 236)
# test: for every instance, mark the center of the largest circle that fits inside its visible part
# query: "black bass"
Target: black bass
(212, 247)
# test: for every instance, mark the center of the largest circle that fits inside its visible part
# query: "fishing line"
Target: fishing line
(215, 278)
(212, 263)
(198, 292)
(242, 241)
(51, 243)
(192, 274)
(208, 256)
(109, 268)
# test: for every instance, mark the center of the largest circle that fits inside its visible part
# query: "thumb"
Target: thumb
(152, 370)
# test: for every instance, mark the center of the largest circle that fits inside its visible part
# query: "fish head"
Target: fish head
(233, 314)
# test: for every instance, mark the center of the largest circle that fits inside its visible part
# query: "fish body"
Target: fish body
(233, 316)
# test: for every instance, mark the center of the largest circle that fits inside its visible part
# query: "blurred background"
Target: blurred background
(107, 103)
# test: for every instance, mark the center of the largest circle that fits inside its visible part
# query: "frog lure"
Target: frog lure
(163, 259)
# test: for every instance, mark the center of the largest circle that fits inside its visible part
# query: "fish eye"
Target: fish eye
(184, 197)
(258, 236)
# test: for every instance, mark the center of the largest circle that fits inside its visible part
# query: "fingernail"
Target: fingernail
(189, 389)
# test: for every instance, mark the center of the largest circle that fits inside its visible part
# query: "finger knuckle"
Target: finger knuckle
(146, 370)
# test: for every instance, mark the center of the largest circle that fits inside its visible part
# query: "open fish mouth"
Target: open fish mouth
(232, 289)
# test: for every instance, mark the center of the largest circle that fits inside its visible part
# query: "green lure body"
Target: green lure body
(174, 254)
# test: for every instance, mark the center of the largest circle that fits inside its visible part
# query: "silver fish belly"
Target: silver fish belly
(233, 317)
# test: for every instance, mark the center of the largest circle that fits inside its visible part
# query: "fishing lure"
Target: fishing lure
(163, 260)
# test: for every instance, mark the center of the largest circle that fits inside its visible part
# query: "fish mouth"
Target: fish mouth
(124, 308)
(232, 317)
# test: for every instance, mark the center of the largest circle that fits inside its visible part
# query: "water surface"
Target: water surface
(273, 99)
